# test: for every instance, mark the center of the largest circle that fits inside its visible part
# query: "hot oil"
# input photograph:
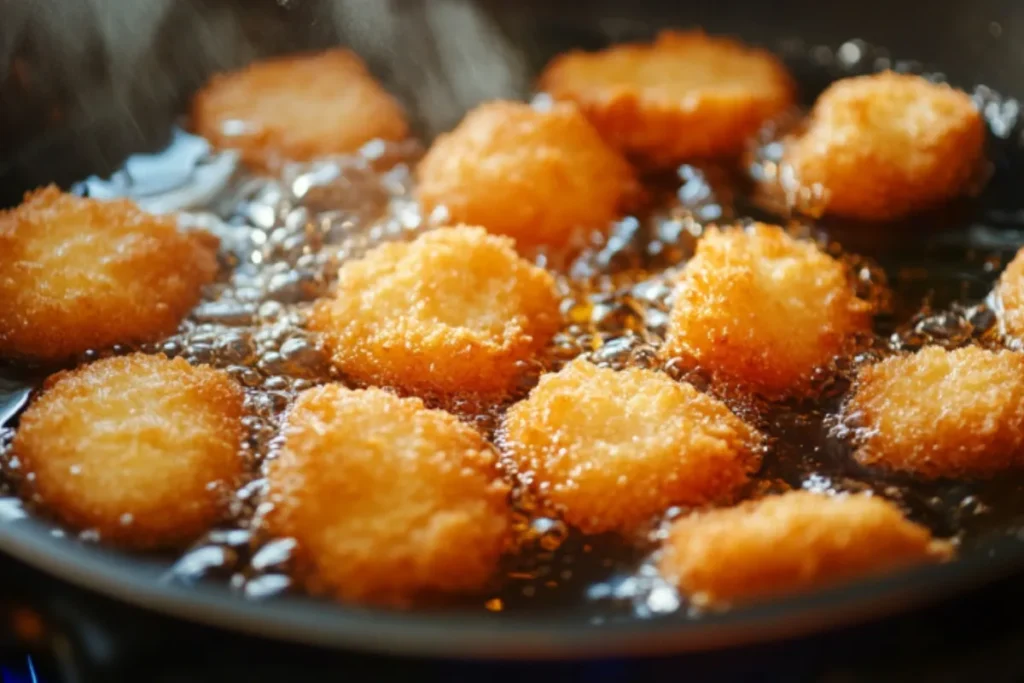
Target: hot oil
(285, 236)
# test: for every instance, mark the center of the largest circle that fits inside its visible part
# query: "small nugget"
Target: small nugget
(388, 501)
(542, 177)
(297, 108)
(888, 145)
(615, 449)
(452, 312)
(685, 96)
(789, 543)
(79, 274)
(762, 311)
(1010, 291)
(143, 449)
(940, 413)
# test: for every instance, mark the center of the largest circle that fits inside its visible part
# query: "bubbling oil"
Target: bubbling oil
(285, 236)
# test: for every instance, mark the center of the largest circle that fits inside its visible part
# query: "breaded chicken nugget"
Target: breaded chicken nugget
(78, 274)
(888, 145)
(452, 312)
(297, 108)
(614, 449)
(388, 500)
(793, 542)
(143, 449)
(762, 311)
(538, 176)
(940, 413)
(1010, 291)
(685, 96)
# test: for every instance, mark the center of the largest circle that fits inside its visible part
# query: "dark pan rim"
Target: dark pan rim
(478, 636)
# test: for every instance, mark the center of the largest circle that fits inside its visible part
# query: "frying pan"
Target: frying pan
(109, 78)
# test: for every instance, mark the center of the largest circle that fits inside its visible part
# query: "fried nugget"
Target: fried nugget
(79, 274)
(142, 449)
(454, 311)
(888, 145)
(1010, 292)
(541, 177)
(388, 500)
(788, 543)
(614, 449)
(763, 312)
(940, 413)
(297, 108)
(687, 95)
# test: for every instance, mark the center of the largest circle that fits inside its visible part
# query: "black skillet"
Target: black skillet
(90, 101)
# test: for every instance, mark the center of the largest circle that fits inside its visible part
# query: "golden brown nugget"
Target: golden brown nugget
(940, 413)
(79, 274)
(1010, 292)
(142, 449)
(888, 145)
(388, 501)
(614, 449)
(762, 311)
(297, 108)
(542, 177)
(454, 311)
(788, 543)
(687, 95)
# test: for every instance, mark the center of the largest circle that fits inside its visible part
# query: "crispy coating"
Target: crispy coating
(888, 145)
(789, 543)
(1010, 292)
(452, 312)
(940, 413)
(388, 500)
(538, 176)
(687, 95)
(614, 449)
(78, 274)
(143, 449)
(762, 311)
(297, 108)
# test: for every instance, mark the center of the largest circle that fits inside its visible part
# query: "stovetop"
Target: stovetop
(56, 633)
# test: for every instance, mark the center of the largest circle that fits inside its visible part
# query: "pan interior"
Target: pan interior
(940, 269)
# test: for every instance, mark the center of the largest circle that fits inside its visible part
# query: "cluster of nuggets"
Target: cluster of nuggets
(391, 500)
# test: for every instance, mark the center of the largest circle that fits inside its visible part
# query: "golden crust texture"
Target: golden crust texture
(940, 413)
(614, 449)
(388, 501)
(143, 449)
(888, 145)
(297, 108)
(79, 274)
(762, 311)
(686, 95)
(454, 311)
(1010, 291)
(541, 177)
(793, 542)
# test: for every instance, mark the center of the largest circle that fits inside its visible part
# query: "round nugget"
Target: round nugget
(614, 449)
(888, 145)
(454, 311)
(142, 449)
(388, 501)
(297, 108)
(759, 310)
(1010, 292)
(79, 274)
(788, 543)
(685, 96)
(940, 413)
(541, 177)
